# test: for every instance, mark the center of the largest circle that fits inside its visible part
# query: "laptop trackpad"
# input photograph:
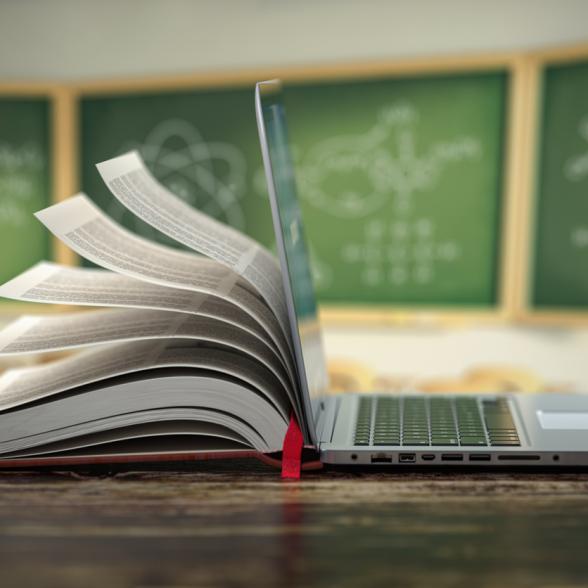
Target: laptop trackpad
(576, 421)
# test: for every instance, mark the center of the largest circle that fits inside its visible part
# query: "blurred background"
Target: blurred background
(441, 152)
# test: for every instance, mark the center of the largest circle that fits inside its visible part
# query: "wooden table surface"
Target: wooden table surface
(226, 527)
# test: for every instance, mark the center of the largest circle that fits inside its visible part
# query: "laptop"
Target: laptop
(527, 430)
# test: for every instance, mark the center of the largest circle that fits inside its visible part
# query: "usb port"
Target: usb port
(407, 458)
(428, 456)
(479, 457)
(451, 457)
(381, 458)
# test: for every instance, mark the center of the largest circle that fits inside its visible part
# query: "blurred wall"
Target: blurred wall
(76, 39)
(71, 39)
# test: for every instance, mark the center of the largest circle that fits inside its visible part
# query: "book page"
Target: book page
(167, 397)
(136, 188)
(108, 430)
(129, 401)
(24, 385)
(83, 227)
(33, 334)
(54, 283)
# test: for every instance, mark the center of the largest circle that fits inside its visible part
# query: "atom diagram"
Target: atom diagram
(210, 176)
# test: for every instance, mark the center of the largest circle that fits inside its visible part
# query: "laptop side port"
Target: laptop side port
(451, 457)
(428, 456)
(407, 457)
(479, 457)
(381, 458)
(519, 457)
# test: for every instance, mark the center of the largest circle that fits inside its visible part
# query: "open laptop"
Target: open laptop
(532, 430)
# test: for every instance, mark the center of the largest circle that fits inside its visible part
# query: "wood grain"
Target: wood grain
(229, 527)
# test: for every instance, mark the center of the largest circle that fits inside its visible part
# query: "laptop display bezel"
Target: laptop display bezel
(264, 92)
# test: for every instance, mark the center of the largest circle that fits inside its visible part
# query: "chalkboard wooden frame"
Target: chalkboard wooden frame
(524, 311)
(514, 65)
(61, 154)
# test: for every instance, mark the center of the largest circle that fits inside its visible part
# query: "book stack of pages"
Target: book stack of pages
(189, 356)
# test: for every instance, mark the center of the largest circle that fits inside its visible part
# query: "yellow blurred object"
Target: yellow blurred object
(350, 376)
(504, 379)
(385, 383)
(449, 385)
(487, 379)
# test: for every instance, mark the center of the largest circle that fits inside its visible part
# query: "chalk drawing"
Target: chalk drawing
(376, 166)
(20, 169)
(380, 165)
(322, 273)
(400, 253)
(576, 168)
(209, 175)
(579, 237)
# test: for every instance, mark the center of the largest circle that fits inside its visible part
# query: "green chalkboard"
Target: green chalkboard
(400, 179)
(25, 182)
(560, 277)
(201, 144)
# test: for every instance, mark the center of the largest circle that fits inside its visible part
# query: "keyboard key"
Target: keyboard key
(505, 443)
(444, 441)
(472, 441)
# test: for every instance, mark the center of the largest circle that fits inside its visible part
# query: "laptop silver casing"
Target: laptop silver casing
(560, 443)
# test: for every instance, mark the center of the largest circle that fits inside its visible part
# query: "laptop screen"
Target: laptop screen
(292, 248)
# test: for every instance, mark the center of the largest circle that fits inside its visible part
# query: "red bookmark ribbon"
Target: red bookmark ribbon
(292, 451)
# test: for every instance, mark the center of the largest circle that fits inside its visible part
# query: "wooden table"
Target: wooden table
(232, 528)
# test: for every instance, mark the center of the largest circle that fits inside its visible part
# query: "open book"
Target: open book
(190, 356)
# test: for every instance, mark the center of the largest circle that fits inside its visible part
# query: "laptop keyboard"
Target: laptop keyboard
(429, 421)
